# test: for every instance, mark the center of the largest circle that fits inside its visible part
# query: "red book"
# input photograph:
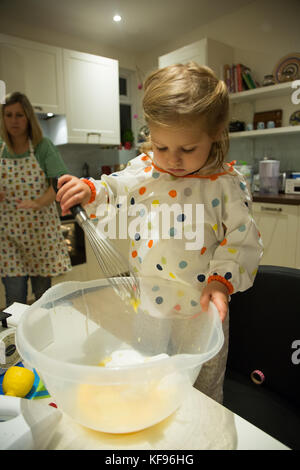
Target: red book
(239, 69)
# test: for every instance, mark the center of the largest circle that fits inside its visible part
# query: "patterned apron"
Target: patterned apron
(31, 241)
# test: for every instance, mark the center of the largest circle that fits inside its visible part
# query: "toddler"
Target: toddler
(183, 168)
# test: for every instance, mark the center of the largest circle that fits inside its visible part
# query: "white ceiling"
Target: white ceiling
(146, 24)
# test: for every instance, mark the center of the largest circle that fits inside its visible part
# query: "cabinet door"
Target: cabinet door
(92, 98)
(34, 69)
(196, 52)
(277, 224)
(207, 51)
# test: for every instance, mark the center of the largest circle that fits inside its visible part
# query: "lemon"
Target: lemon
(17, 381)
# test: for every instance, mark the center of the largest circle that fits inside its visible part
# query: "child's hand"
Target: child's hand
(218, 293)
(71, 191)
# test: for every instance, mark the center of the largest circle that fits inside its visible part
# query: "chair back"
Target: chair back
(265, 330)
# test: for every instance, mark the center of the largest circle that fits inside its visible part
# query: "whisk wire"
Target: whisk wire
(114, 267)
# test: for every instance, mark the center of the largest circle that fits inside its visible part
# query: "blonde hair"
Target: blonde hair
(179, 94)
(34, 131)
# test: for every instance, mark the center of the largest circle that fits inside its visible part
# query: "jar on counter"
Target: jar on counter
(268, 80)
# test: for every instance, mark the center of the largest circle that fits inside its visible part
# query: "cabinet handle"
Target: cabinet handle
(88, 134)
(272, 209)
(38, 108)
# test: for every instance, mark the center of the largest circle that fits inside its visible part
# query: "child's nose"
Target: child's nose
(174, 157)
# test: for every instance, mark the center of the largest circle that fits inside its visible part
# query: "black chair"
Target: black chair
(265, 336)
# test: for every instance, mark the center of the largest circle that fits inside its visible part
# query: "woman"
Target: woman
(32, 245)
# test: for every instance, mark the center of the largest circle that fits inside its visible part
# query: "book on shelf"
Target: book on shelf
(247, 75)
(238, 77)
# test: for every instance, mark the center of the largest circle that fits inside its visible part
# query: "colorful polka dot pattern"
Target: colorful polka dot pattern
(157, 188)
(174, 300)
(172, 231)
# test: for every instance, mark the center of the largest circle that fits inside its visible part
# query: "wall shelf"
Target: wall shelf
(264, 132)
(272, 91)
(251, 96)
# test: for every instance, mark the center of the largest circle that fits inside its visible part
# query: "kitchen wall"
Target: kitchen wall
(284, 148)
(76, 155)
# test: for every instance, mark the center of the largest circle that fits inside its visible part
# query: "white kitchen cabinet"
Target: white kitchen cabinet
(34, 69)
(278, 225)
(91, 86)
(207, 51)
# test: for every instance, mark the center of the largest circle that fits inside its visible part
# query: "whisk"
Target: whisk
(114, 266)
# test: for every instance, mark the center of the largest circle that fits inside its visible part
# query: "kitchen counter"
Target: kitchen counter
(291, 199)
(200, 423)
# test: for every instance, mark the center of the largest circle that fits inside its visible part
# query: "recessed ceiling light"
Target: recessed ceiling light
(117, 18)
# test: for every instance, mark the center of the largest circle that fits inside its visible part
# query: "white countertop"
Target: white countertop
(199, 424)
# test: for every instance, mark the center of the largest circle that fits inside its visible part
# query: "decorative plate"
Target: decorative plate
(295, 119)
(288, 68)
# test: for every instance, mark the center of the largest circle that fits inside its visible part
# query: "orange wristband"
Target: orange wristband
(223, 280)
(92, 188)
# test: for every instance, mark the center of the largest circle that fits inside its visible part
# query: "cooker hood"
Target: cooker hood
(54, 126)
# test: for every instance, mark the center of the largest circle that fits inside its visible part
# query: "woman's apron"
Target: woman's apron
(31, 241)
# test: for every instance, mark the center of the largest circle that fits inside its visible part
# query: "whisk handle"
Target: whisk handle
(75, 210)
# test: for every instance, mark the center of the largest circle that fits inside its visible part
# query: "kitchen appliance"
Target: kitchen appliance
(269, 176)
(292, 185)
(9, 355)
(71, 334)
(74, 239)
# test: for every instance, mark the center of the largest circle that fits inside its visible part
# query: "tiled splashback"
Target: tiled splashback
(285, 148)
(76, 155)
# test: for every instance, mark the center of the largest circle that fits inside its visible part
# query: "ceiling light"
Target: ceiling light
(117, 18)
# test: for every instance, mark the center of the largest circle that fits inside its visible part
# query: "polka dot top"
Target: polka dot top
(191, 229)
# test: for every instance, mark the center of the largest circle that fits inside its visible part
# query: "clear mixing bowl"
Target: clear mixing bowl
(71, 334)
